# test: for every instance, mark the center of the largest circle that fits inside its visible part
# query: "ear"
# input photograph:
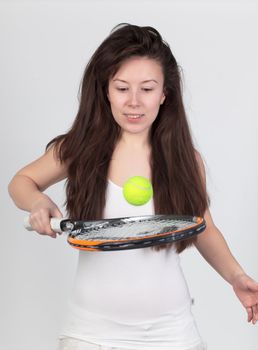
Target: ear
(163, 98)
(107, 94)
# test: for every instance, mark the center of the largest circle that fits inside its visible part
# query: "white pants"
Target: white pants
(68, 343)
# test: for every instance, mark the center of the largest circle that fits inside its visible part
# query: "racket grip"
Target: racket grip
(55, 224)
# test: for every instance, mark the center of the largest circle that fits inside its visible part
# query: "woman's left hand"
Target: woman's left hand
(246, 290)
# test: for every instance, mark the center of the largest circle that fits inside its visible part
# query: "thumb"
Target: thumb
(56, 213)
(253, 285)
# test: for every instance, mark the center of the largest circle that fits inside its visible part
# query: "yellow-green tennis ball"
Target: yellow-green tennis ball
(137, 190)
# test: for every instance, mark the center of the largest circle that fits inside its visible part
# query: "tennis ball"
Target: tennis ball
(137, 190)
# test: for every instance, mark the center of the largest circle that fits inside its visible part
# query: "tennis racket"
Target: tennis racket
(127, 232)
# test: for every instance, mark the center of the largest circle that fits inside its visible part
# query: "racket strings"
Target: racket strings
(127, 230)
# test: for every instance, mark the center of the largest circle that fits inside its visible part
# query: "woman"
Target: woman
(131, 121)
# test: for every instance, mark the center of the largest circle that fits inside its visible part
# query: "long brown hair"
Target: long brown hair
(88, 146)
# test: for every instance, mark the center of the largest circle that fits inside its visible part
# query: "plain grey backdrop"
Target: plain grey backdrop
(45, 46)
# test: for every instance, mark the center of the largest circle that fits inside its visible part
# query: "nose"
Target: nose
(134, 99)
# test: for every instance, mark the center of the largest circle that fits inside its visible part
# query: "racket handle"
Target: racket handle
(55, 224)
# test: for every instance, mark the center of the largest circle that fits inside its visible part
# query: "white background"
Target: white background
(45, 46)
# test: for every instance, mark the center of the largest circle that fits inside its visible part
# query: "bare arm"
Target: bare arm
(27, 186)
(213, 247)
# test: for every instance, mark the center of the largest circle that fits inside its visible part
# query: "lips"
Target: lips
(133, 115)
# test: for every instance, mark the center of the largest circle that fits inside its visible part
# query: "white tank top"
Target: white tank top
(133, 299)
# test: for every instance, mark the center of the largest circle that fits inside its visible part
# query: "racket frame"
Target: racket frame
(198, 226)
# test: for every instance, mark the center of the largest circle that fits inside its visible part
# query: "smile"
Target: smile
(133, 116)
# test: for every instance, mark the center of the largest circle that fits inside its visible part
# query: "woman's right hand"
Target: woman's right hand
(41, 213)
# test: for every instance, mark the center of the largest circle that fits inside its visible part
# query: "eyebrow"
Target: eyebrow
(145, 81)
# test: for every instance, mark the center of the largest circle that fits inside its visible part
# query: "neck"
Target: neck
(138, 141)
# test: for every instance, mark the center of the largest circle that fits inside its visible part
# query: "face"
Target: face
(135, 93)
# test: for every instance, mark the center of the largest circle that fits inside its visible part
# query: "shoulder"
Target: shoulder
(198, 158)
(200, 163)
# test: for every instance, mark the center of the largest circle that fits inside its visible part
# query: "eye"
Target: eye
(122, 89)
(147, 89)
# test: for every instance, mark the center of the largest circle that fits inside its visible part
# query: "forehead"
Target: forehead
(140, 68)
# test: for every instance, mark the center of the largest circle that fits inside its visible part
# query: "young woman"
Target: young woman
(131, 121)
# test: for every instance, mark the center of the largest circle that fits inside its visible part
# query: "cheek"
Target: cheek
(116, 101)
(154, 105)
(116, 108)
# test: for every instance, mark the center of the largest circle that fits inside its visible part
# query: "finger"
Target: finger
(40, 222)
(255, 313)
(35, 222)
(56, 213)
(249, 314)
(48, 230)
